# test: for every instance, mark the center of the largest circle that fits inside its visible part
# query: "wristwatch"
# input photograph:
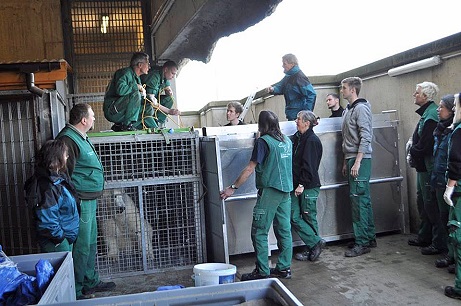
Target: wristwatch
(233, 186)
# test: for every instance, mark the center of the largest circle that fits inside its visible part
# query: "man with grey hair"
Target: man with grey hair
(122, 101)
(234, 109)
(420, 149)
(296, 88)
(357, 135)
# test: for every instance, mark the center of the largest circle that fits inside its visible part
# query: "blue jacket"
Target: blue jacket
(55, 207)
(298, 92)
(441, 135)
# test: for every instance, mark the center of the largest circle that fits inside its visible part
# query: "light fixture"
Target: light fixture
(422, 64)
(104, 23)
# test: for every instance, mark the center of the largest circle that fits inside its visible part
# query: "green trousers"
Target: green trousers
(84, 251)
(439, 222)
(125, 110)
(423, 195)
(304, 216)
(150, 115)
(455, 238)
(272, 206)
(359, 193)
(50, 247)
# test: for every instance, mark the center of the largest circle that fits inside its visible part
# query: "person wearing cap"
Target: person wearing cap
(421, 158)
(307, 153)
(438, 181)
(452, 197)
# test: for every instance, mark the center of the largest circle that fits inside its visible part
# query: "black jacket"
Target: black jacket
(307, 153)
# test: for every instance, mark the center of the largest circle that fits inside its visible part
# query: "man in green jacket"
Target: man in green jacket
(122, 101)
(431, 230)
(157, 81)
(86, 172)
(272, 161)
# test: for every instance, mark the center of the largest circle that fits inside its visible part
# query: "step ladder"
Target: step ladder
(247, 105)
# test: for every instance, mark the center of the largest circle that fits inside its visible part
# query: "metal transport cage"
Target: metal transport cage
(150, 217)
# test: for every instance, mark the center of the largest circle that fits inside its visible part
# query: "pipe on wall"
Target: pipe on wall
(30, 82)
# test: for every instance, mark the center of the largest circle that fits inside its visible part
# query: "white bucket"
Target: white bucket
(213, 274)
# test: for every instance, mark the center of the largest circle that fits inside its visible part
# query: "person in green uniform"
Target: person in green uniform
(272, 160)
(157, 81)
(431, 231)
(307, 153)
(452, 197)
(438, 179)
(122, 100)
(86, 172)
(357, 134)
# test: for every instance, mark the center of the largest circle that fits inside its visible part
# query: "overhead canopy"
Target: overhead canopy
(189, 29)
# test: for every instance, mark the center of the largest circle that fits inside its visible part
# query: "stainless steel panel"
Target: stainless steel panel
(233, 146)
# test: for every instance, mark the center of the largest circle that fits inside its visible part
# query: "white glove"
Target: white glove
(408, 158)
(447, 195)
(143, 93)
(408, 145)
(153, 99)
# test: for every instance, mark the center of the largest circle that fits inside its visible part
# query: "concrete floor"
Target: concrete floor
(394, 273)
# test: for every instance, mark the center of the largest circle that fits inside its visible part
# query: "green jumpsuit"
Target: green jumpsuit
(454, 222)
(88, 179)
(155, 83)
(274, 182)
(122, 101)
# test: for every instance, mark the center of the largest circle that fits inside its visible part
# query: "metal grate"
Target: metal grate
(96, 101)
(17, 145)
(99, 51)
(158, 230)
(162, 226)
(125, 159)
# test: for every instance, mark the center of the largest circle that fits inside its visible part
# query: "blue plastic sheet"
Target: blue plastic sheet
(17, 288)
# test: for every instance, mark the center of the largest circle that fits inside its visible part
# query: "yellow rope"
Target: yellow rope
(157, 108)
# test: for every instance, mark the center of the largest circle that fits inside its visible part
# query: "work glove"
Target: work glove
(447, 195)
(407, 150)
(408, 145)
(153, 99)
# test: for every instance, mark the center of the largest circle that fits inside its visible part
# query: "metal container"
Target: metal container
(225, 151)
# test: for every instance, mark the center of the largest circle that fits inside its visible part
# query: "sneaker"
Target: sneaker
(285, 274)
(444, 262)
(371, 244)
(101, 287)
(357, 250)
(252, 276)
(431, 250)
(451, 269)
(303, 256)
(317, 250)
(117, 127)
(451, 293)
(417, 242)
